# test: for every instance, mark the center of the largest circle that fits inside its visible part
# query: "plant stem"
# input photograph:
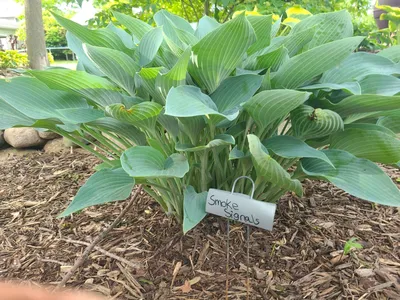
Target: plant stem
(204, 171)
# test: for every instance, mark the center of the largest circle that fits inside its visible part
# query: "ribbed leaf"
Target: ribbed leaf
(192, 127)
(80, 115)
(142, 115)
(194, 208)
(117, 65)
(290, 147)
(206, 25)
(350, 87)
(359, 65)
(329, 27)
(219, 140)
(390, 122)
(305, 66)
(189, 101)
(98, 37)
(95, 88)
(164, 17)
(147, 80)
(392, 53)
(359, 177)
(262, 28)
(310, 123)
(169, 123)
(272, 60)
(137, 27)
(35, 100)
(236, 154)
(125, 37)
(147, 162)
(121, 129)
(377, 84)
(217, 54)
(267, 107)
(370, 144)
(270, 170)
(102, 187)
(149, 46)
(10, 117)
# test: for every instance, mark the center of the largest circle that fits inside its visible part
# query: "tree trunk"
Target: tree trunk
(206, 7)
(35, 42)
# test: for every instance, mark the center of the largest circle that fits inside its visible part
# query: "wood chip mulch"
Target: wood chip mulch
(302, 258)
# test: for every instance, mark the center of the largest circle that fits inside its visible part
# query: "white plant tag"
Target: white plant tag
(241, 208)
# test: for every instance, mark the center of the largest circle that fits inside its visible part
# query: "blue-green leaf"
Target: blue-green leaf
(194, 208)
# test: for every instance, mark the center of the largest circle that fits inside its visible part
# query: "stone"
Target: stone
(48, 135)
(23, 137)
(55, 146)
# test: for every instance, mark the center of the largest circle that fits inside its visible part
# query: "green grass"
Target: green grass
(70, 64)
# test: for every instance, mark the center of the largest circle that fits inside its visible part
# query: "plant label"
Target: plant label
(241, 208)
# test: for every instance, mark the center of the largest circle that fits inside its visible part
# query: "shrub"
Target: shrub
(181, 110)
(13, 59)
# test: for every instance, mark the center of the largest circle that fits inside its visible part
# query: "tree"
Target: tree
(35, 42)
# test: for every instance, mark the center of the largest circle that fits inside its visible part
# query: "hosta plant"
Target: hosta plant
(182, 110)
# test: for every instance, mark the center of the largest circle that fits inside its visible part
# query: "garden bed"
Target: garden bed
(300, 258)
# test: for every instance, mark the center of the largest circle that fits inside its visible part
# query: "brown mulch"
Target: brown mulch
(301, 258)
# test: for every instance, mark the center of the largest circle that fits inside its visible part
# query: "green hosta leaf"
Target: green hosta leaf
(356, 176)
(125, 37)
(174, 77)
(149, 45)
(189, 101)
(392, 53)
(10, 117)
(305, 66)
(262, 28)
(142, 115)
(137, 27)
(350, 87)
(377, 84)
(194, 208)
(216, 55)
(267, 107)
(290, 147)
(329, 27)
(84, 61)
(80, 115)
(192, 127)
(169, 123)
(165, 18)
(370, 126)
(147, 80)
(359, 65)
(219, 140)
(102, 187)
(121, 129)
(310, 123)
(270, 170)
(147, 162)
(98, 37)
(390, 122)
(95, 88)
(235, 91)
(117, 65)
(236, 154)
(275, 27)
(272, 60)
(206, 25)
(35, 100)
(370, 144)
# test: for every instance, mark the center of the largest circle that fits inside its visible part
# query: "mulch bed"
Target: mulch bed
(301, 258)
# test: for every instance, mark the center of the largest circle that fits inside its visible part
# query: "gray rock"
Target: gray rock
(55, 146)
(48, 135)
(23, 137)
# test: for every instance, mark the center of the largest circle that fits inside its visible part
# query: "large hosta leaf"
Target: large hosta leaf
(194, 208)
(272, 60)
(95, 88)
(219, 140)
(98, 37)
(102, 187)
(267, 107)
(136, 26)
(270, 170)
(217, 54)
(144, 161)
(206, 25)
(359, 65)
(142, 115)
(118, 66)
(189, 101)
(377, 84)
(262, 27)
(357, 176)
(10, 117)
(393, 53)
(329, 27)
(149, 45)
(309, 123)
(374, 145)
(291, 147)
(390, 122)
(305, 66)
(350, 87)
(125, 37)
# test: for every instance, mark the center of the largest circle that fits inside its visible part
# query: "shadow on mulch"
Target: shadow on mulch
(301, 258)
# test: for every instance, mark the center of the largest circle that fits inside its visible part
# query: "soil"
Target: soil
(302, 258)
